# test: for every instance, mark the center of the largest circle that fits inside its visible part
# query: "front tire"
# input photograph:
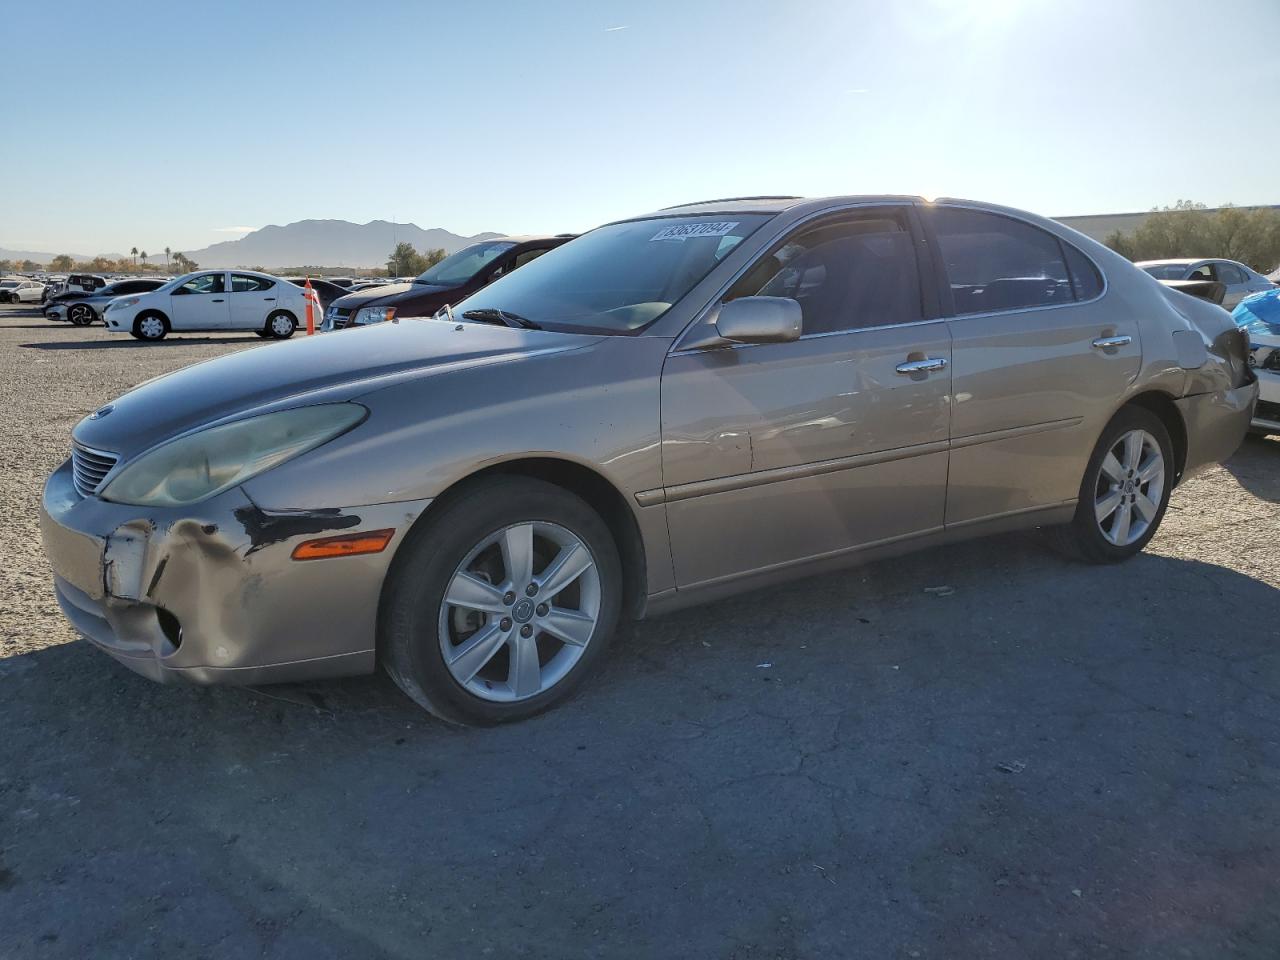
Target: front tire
(1125, 490)
(151, 326)
(80, 314)
(280, 325)
(501, 603)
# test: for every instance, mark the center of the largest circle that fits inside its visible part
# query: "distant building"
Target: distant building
(1102, 225)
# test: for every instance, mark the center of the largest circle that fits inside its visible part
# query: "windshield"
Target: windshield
(1166, 271)
(466, 263)
(8, 283)
(619, 278)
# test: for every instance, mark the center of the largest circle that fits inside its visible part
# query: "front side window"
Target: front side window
(528, 255)
(205, 283)
(997, 263)
(240, 283)
(466, 263)
(847, 274)
(1205, 271)
(619, 278)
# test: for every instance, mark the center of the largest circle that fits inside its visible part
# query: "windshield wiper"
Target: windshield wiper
(489, 314)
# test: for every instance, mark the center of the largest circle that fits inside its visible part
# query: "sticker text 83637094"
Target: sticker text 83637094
(689, 231)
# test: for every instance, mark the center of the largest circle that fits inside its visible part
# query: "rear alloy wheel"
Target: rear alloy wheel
(499, 605)
(280, 326)
(80, 314)
(1125, 490)
(150, 326)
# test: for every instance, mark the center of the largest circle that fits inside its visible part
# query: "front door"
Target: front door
(200, 303)
(777, 453)
(1040, 360)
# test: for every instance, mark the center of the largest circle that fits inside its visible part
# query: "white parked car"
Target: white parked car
(212, 300)
(1240, 280)
(17, 290)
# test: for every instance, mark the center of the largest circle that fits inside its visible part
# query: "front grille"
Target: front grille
(89, 466)
(1267, 410)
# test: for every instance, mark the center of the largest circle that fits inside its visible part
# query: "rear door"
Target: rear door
(1040, 361)
(251, 299)
(775, 453)
(200, 303)
(1237, 282)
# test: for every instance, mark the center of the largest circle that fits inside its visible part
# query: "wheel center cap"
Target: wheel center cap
(522, 612)
(1128, 486)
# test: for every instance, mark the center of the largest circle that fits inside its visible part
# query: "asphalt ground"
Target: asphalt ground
(1044, 759)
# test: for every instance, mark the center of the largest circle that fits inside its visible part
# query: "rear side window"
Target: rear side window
(996, 263)
(243, 284)
(847, 274)
(1230, 273)
(1086, 282)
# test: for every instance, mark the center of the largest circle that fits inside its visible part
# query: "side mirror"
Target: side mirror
(760, 320)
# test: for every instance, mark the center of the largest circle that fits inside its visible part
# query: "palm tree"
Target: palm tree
(143, 255)
(166, 259)
(134, 253)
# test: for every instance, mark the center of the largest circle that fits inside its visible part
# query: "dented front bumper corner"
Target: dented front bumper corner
(210, 593)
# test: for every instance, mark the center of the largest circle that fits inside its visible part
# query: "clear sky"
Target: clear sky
(183, 124)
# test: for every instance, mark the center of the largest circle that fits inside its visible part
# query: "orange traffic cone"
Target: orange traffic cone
(310, 297)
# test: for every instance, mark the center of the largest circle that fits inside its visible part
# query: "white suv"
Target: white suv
(16, 290)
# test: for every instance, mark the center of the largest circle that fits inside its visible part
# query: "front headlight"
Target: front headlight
(374, 314)
(194, 467)
(122, 302)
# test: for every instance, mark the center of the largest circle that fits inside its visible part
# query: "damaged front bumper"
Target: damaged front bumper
(210, 593)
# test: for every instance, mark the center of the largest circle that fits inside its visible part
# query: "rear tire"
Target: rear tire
(485, 548)
(1125, 490)
(280, 325)
(151, 326)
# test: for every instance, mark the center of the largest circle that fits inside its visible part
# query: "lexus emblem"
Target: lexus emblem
(101, 412)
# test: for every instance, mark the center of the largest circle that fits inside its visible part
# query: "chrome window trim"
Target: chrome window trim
(700, 316)
(977, 208)
(684, 351)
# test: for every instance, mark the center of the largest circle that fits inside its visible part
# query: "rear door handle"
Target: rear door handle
(1106, 343)
(928, 365)
(268, 298)
(219, 300)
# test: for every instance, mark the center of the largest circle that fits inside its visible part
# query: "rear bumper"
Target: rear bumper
(1216, 424)
(210, 593)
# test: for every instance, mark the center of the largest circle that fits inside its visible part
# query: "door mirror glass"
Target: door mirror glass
(760, 320)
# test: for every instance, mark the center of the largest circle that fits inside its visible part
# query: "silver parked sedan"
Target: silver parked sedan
(1239, 279)
(667, 409)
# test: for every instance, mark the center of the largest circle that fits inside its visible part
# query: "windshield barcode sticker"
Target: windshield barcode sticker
(689, 231)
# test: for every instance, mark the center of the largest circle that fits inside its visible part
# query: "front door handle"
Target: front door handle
(1107, 343)
(219, 300)
(927, 365)
(268, 298)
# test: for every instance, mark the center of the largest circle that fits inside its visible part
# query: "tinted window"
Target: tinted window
(845, 275)
(523, 258)
(1230, 273)
(205, 283)
(1166, 271)
(466, 263)
(1086, 282)
(242, 284)
(997, 263)
(1203, 272)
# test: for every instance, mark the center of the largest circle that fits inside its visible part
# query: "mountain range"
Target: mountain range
(329, 243)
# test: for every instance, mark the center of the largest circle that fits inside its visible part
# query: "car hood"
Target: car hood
(326, 369)
(390, 294)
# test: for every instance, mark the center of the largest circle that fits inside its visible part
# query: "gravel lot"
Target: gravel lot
(1051, 760)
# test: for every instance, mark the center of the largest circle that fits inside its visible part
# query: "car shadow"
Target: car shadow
(132, 343)
(1256, 466)
(1010, 730)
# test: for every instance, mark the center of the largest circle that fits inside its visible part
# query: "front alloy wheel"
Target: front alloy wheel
(501, 601)
(519, 611)
(80, 315)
